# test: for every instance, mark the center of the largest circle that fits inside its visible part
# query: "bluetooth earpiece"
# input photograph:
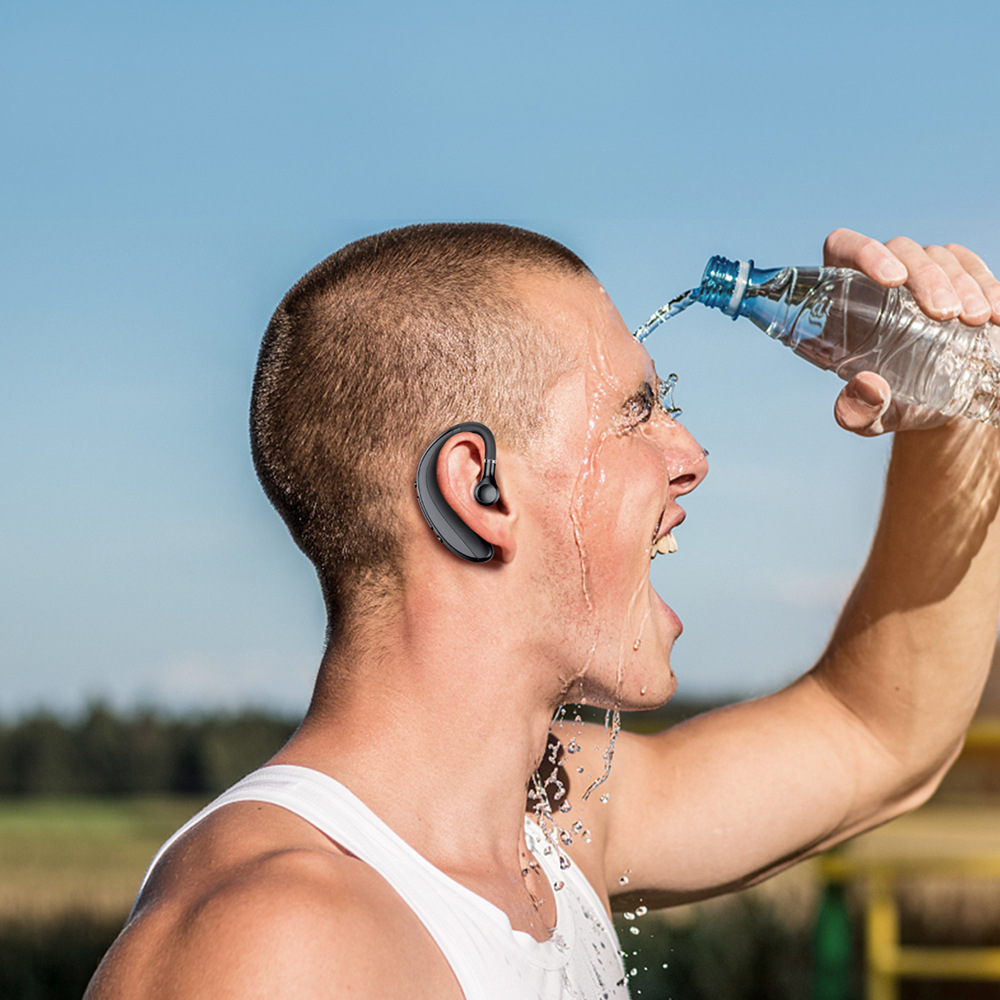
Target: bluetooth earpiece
(444, 522)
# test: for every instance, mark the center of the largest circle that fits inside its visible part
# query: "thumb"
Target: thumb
(862, 404)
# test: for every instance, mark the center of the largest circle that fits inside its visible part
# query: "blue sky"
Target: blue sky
(168, 172)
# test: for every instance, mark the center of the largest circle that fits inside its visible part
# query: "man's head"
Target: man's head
(368, 357)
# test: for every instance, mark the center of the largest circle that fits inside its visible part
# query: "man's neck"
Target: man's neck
(437, 732)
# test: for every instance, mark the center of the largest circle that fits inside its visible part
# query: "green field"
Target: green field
(85, 855)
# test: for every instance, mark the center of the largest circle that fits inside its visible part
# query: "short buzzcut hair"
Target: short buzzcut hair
(368, 358)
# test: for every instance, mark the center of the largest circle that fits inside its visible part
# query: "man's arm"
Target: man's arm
(736, 795)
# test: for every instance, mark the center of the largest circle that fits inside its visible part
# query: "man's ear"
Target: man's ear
(460, 466)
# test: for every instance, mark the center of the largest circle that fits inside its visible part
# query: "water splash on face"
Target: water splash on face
(595, 499)
(597, 502)
(589, 477)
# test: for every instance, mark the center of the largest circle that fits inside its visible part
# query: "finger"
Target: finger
(931, 287)
(866, 407)
(863, 404)
(846, 248)
(976, 267)
(976, 309)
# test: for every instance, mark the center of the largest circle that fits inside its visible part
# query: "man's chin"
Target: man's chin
(652, 692)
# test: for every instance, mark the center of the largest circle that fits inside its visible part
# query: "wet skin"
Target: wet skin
(616, 465)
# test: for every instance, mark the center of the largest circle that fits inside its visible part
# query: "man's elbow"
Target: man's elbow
(921, 786)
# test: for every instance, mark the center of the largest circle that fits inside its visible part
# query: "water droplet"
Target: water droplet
(579, 770)
(564, 862)
(628, 915)
(633, 972)
(642, 690)
(525, 872)
(641, 911)
(637, 643)
(605, 797)
(565, 807)
(558, 885)
(633, 930)
(578, 827)
(624, 879)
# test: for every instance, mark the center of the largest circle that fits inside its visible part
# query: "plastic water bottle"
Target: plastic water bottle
(840, 320)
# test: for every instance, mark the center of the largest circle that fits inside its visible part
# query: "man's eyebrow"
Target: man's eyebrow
(645, 391)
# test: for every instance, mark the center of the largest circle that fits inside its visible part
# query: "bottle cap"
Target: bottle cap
(724, 284)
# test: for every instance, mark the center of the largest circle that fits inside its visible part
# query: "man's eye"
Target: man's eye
(647, 400)
(641, 406)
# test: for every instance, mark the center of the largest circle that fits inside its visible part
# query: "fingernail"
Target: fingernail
(866, 393)
(945, 302)
(892, 270)
(974, 305)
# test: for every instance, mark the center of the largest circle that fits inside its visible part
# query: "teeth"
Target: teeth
(665, 545)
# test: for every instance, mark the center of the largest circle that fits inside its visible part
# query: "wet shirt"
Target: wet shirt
(491, 960)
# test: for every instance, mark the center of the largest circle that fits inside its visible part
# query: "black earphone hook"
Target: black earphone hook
(450, 529)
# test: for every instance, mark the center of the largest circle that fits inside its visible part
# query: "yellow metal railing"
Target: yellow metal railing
(886, 959)
(983, 734)
(932, 842)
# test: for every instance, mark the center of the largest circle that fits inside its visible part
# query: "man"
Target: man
(385, 852)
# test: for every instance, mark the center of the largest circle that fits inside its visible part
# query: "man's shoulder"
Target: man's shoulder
(288, 909)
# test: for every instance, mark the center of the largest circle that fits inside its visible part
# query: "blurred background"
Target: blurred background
(169, 171)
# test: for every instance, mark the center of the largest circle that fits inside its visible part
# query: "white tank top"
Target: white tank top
(491, 960)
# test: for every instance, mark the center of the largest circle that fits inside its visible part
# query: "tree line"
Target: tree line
(150, 752)
(142, 752)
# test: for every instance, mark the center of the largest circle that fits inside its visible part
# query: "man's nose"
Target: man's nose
(687, 461)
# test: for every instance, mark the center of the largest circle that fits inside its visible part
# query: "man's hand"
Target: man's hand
(947, 282)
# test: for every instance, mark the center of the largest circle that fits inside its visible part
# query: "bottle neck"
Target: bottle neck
(726, 284)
